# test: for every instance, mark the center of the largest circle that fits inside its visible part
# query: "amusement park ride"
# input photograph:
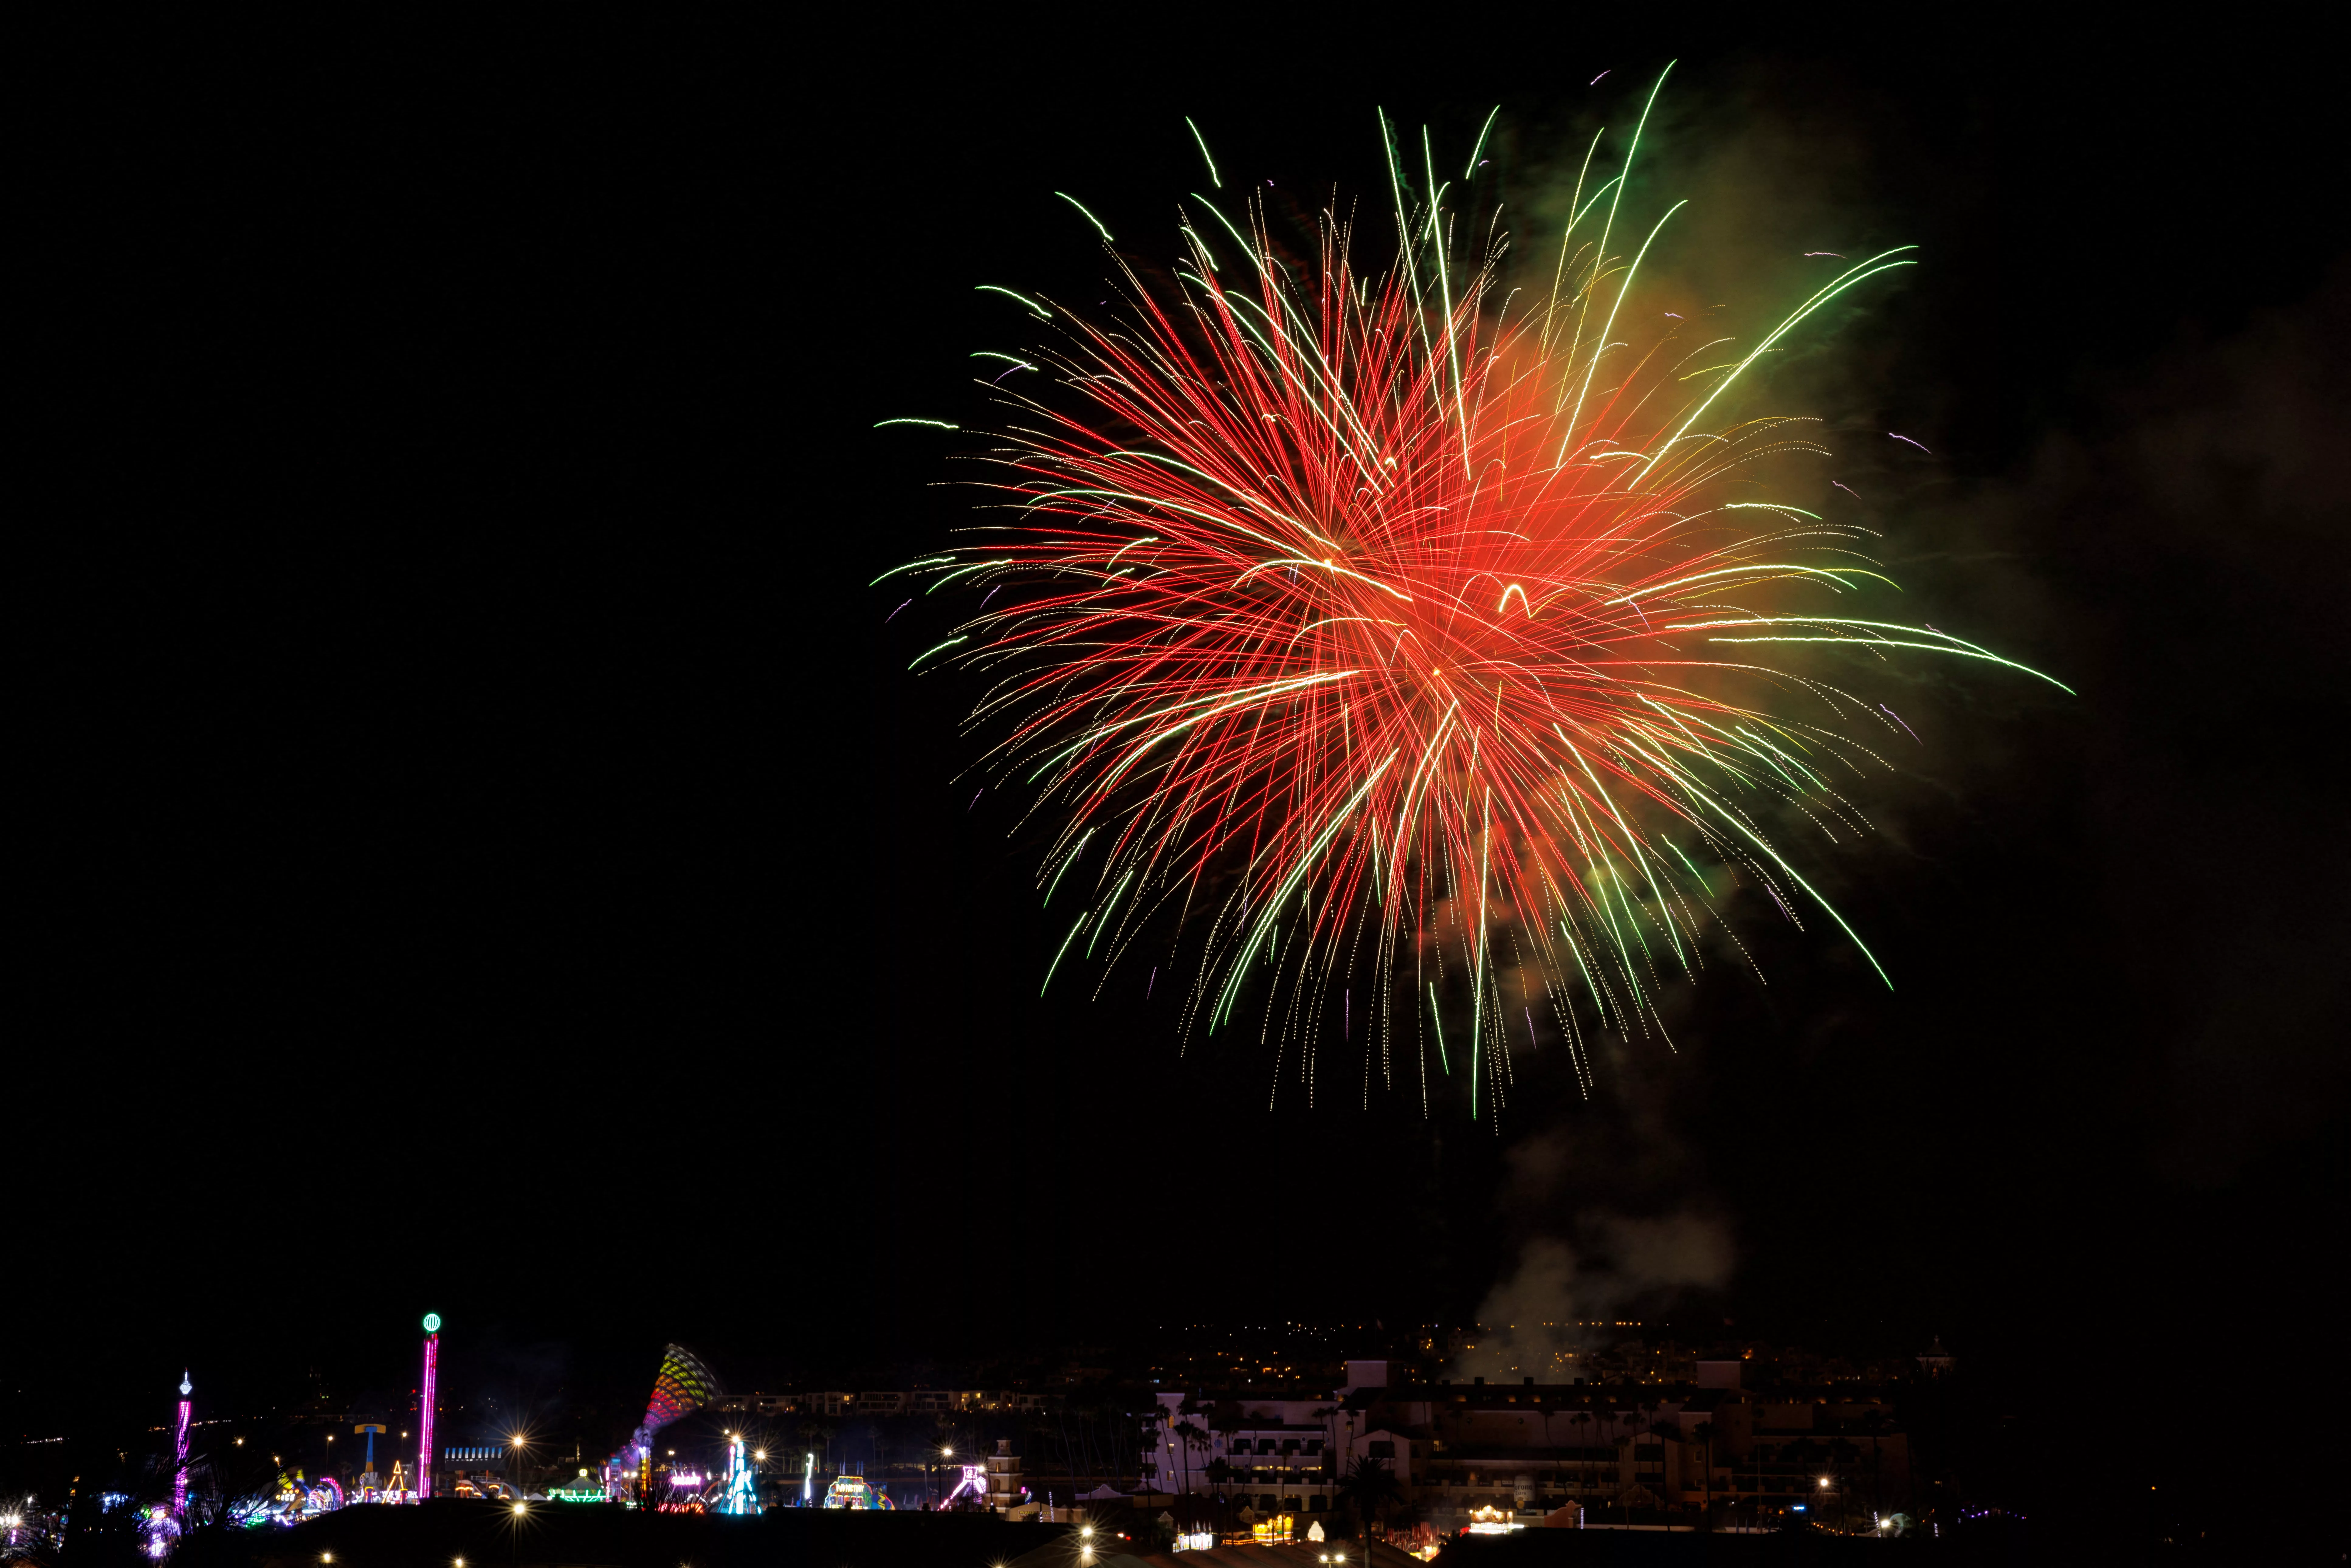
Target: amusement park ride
(629, 1478)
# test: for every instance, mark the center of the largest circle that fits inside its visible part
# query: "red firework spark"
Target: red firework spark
(1376, 625)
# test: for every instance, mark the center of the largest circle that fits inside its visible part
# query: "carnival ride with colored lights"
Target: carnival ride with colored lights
(298, 1499)
(973, 1487)
(159, 1531)
(690, 1491)
(683, 1385)
(854, 1491)
(741, 1494)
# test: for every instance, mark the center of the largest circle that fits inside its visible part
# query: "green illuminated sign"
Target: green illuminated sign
(432, 1322)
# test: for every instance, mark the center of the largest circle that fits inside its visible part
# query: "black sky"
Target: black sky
(487, 855)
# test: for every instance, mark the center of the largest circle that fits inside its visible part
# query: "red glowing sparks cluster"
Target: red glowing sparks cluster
(1376, 630)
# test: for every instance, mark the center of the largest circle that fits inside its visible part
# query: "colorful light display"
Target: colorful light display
(1491, 1520)
(973, 1485)
(179, 1451)
(741, 1497)
(1277, 1530)
(424, 1408)
(681, 1386)
(585, 1488)
(856, 1492)
(159, 1532)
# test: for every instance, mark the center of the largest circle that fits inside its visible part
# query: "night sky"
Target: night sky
(488, 854)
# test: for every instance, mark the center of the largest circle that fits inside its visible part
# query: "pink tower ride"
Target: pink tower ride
(424, 1407)
(179, 1471)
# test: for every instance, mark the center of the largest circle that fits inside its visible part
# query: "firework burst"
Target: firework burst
(1409, 642)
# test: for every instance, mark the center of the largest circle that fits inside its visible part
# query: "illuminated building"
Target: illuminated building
(1474, 1454)
(1004, 1491)
(840, 1402)
(1280, 1453)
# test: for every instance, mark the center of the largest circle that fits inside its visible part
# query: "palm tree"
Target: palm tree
(1843, 1454)
(1605, 1413)
(1581, 1419)
(817, 1432)
(1648, 1411)
(1227, 1418)
(1188, 1435)
(1218, 1472)
(1804, 1456)
(1704, 1433)
(1369, 1488)
(225, 1485)
(1326, 1414)
(1873, 1422)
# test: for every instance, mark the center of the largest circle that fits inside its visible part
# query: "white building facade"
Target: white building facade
(1276, 1455)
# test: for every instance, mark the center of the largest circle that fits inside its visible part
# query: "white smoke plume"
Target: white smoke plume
(1561, 1303)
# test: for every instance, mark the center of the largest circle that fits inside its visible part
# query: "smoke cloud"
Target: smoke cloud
(1564, 1301)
